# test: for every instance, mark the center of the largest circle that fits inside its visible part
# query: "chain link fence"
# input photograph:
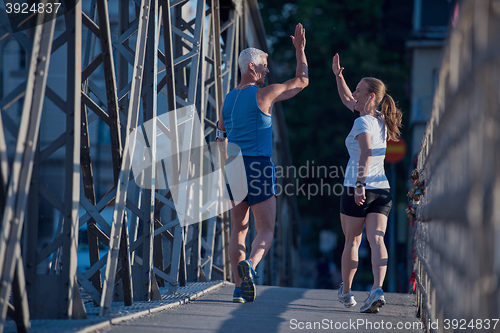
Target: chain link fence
(457, 227)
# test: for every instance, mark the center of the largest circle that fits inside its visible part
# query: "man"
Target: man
(246, 121)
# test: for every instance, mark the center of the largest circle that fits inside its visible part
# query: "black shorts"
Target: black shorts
(377, 201)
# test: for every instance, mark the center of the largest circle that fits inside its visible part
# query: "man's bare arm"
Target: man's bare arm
(221, 124)
(283, 91)
(222, 127)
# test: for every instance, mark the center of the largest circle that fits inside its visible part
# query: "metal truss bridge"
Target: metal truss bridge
(103, 72)
(100, 73)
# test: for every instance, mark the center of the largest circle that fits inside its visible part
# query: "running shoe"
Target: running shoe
(247, 275)
(374, 301)
(346, 299)
(237, 296)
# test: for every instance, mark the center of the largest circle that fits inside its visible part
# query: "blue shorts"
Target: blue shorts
(261, 179)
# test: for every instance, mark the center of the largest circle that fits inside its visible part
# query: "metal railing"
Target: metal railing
(457, 228)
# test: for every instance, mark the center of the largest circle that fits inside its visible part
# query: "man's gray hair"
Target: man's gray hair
(249, 55)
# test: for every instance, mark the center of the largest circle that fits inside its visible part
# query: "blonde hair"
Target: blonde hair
(249, 55)
(388, 109)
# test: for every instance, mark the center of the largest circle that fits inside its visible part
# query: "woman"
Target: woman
(366, 200)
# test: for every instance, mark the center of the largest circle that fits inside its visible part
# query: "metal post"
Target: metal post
(86, 166)
(17, 194)
(150, 135)
(31, 235)
(392, 233)
(20, 298)
(72, 172)
(121, 196)
(89, 192)
(110, 80)
(4, 168)
(217, 55)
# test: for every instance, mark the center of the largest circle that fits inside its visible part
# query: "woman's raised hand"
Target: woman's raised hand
(337, 70)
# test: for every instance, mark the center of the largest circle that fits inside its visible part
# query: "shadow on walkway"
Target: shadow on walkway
(278, 309)
(266, 312)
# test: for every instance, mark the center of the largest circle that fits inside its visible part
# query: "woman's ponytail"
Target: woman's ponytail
(392, 117)
(388, 110)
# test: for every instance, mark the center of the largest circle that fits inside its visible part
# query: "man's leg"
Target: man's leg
(376, 225)
(352, 228)
(265, 216)
(239, 229)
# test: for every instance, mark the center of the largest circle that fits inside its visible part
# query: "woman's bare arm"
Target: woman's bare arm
(344, 91)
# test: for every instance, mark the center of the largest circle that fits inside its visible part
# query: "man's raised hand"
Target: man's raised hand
(299, 40)
(337, 70)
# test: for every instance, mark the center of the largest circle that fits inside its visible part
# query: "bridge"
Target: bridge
(124, 69)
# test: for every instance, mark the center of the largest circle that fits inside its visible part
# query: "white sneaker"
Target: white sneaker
(374, 301)
(346, 299)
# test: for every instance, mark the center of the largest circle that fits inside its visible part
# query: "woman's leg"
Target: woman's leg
(239, 229)
(353, 228)
(376, 225)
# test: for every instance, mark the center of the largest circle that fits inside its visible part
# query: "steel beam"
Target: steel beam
(85, 159)
(149, 130)
(18, 189)
(110, 80)
(114, 126)
(4, 168)
(72, 173)
(128, 149)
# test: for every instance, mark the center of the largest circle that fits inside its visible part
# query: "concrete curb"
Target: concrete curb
(118, 320)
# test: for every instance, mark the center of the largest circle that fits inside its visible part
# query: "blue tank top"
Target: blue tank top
(246, 125)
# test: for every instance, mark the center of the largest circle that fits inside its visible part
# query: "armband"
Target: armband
(219, 134)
